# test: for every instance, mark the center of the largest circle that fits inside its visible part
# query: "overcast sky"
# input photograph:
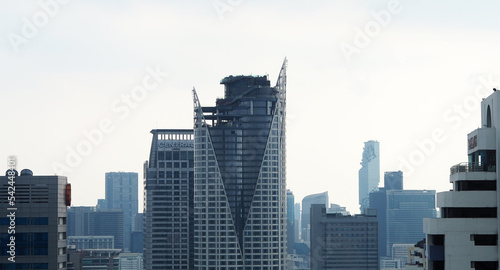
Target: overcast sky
(404, 73)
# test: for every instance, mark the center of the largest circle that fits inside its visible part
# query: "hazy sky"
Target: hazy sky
(405, 73)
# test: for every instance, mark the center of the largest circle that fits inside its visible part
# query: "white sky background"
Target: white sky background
(401, 86)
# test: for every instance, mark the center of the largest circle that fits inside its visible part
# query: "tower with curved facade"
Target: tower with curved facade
(239, 181)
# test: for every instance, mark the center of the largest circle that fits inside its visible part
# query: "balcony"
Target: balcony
(471, 167)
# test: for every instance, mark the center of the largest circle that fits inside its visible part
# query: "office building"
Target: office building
(393, 180)
(290, 222)
(122, 194)
(307, 201)
(131, 261)
(240, 198)
(466, 235)
(335, 208)
(406, 210)
(297, 214)
(33, 221)
(168, 201)
(343, 242)
(92, 242)
(99, 259)
(78, 220)
(369, 174)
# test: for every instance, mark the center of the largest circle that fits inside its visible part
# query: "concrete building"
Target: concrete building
(168, 200)
(33, 221)
(466, 235)
(307, 201)
(369, 174)
(393, 180)
(122, 194)
(95, 259)
(335, 208)
(343, 242)
(240, 176)
(92, 242)
(131, 261)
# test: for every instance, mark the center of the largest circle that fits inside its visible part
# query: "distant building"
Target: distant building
(400, 252)
(168, 201)
(416, 257)
(86, 221)
(369, 174)
(297, 214)
(406, 210)
(343, 242)
(131, 261)
(290, 222)
(92, 242)
(378, 200)
(393, 180)
(122, 194)
(33, 225)
(335, 208)
(99, 259)
(466, 235)
(307, 201)
(101, 204)
(137, 242)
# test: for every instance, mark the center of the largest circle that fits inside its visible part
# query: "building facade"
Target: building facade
(369, 174)
(122, 194)
(307, 201)
(33, 221)
(290, 222)
(343, 242)
(92, 242)
(240, 189)
(466, 235)
(168, 200)
(406, 210)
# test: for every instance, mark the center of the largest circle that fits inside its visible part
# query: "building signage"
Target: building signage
(472, 142)
(175, 144)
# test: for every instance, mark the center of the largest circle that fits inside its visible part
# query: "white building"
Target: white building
(466, 235)
(131, 261)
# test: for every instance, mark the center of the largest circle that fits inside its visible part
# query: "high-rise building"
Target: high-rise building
(406, 210)
(92, 242)
(122, 193)
(33, 221)
(131, 261)
(393, 180)
(240, 198)
(168, 200)
(369, 174)
(466, 235)
(378, 200)
(87, 221)
(102, 259)
(307, 201)
(297, 214)
(290, 221)
(343, 242)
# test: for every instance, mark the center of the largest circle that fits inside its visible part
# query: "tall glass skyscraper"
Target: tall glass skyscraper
(290, 225)
(369, 174)
(307, 201)
(240, 190)
(122, 194)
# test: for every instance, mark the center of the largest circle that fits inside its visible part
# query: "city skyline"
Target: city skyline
(409, 74)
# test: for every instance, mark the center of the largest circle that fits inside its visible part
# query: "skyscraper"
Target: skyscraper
(393, 180)
(406, 210)
(33, 221)
(369, 174)
(466, 235)
(168, 200)
(240, 198)
(290, 221)
(307, 201)
(122, 194)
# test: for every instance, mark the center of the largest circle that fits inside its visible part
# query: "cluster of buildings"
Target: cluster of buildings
(215, 197)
